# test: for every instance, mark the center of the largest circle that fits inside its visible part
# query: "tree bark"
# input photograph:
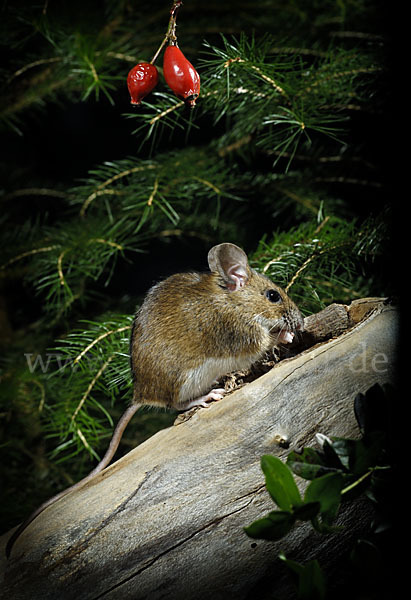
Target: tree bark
(166, 521)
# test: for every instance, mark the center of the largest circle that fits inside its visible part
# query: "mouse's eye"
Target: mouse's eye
(273, 296)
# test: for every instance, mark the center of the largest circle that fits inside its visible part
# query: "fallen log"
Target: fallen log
(166, 520)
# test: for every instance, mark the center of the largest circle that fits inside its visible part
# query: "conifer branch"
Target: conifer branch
(185, 232)
(85, 442)
(91, 386)
(210, 185)
(35, 63)
(278, 259)
(36, 192)
(341, 75)
(166, 112)
(100, 191)
(41, 387)
(305, 265)
(349, 180)
(28, 253)
(153, 193)
(60, 267)
(298, 198)
(271, 81)
(98, 340)
(109, 242)
(95, 195)
(325, 254)
(92, 69)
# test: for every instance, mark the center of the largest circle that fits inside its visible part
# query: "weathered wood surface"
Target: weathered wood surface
(166, 521)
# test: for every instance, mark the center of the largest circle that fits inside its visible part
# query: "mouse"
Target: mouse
(191, 329)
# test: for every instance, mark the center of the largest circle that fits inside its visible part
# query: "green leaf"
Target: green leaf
(367, 452)
(310, 579)
(326, 490)
(358, 456)
(272, 527)
(308, 464)
(307, 511)
(294, 566)
(343, 448)
(312, 582)
(336, 456)
(280, 483)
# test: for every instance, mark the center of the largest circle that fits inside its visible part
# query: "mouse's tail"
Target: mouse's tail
(110, 452)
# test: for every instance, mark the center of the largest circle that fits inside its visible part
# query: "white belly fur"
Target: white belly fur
(200, 380)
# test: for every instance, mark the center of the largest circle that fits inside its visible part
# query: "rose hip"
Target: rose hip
(141, 80)
(180, 75)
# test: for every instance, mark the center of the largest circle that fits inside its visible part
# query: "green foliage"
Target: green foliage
(82, 51)
(319, 505)
(118, 209)
(310, 580)
(343, 469)
(280, 483)
(325, 259)
(273, 98)
(291, 95)
(79, 418)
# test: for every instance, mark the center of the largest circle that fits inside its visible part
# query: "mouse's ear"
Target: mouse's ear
(231, 263)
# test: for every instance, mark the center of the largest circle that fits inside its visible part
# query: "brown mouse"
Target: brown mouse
(191, 329)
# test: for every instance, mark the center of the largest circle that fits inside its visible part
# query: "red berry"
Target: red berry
(141, 80)
(180, 75)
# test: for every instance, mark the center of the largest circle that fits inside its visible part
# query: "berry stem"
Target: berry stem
(171, 30)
